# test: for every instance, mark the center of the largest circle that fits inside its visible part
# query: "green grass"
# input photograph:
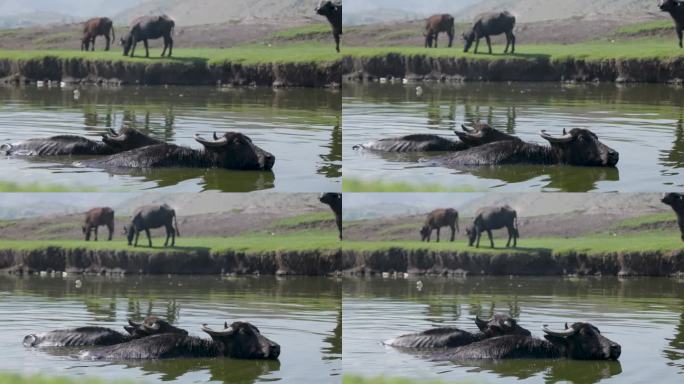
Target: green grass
(350, 379)
(7, 378)
(645, 27)
(6, 186)
(307, 219)
(358, 185)
(637, 222)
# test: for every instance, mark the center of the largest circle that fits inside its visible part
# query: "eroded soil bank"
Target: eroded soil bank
(424, 68)
(84, 261)
(530, 263)
(190, 72)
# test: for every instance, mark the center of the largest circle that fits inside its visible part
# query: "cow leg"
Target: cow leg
(149, 238)
(453, 233)
(477, 43)
(436, 38)
(171, 46)
(479, 235)
(451, 39)
(491, 241)
(173, 236)
(510, 235)
(168, 234)
(133, 48)
(512, 43)
(111, 231)
(679, 34)
(508, 42)
(338, 221)
(87, 234)
(96, 233)
(438, 234)
(137, 235)
(430, 235)
(147, 48)
(108, 40)
(489, 44)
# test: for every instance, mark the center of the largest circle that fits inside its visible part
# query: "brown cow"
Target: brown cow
(334, 201)
(437, 219)
(98, 26)
(437, 24)
(97, 217)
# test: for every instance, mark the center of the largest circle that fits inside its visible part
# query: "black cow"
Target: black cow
(334, 201)
(489, 218)
(491, 24)
(239, 341)
(332, 10)
(436, 24)
(676, 201)
(146, 28)
(676, 10)
(150, 217)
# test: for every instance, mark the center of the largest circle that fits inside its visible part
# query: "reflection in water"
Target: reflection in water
(556, 177)
(553, 371)
(675, 350)
(332, 160)
(221, 370)
(675, 157)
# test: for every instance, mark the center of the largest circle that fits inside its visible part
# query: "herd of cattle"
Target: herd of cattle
(157, 216)
(154, 338)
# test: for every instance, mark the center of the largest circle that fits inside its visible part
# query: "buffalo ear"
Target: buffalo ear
(566, 326)
(129, 329)
(225, 325)
(481, 324)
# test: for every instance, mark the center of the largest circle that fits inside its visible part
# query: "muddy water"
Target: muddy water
(301, 127)
(303, 315)
(645, 316)
(644, 123)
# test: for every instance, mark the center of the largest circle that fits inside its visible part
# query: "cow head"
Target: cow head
(668, 5)
(128, 138)
(583, 341)
(425, 232)
(674, 200)
(331, 199)
(234, 150)
(480, 134)
(326, 8)
(471, 234)
(151, 325)
(582, 147)
(243, 341)
(129, 232)
(500, 325)
(468, 39)
(127, 43)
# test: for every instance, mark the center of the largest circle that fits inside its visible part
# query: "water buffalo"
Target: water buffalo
(334, 201)
(437, 219)
(239, 341)
(478, 134)
(232, 151)
(96, 217)
(98, 26)
(489, 218)
(676, 201)
(444, 337)
(581, 341)
(100, 336)
(579, 147)
(676, 10)
(436, 24)
(69, 145)
(332, 10)
(491, 24)
(146, 28)
(150, 217)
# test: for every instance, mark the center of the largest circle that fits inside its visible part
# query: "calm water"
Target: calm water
(646, 316)
(301, 127)
(645, 123)
(303, 315)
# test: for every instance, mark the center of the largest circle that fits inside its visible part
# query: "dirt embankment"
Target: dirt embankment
(194, 261)
(191, 72)
(424, 68)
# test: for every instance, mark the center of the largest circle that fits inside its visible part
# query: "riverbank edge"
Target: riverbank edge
(416, 68)
(191, 73)
(195, 262)
(520, 263)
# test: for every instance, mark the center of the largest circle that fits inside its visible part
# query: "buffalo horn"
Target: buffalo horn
(566, 138)
(565, 333)
(216, 143)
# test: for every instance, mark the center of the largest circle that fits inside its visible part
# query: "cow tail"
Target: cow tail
(113, 33)
(175, 222)
(515, 222)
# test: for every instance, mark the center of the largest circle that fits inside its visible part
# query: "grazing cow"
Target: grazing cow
(489, 218)
(334, 201)
(98, 26)
(491, 24)
(445, 337)
(332, 10)
(435, 25)
(150, 217)
(437, 219)
(232, 151)
(100, 336)
(579, 147)
(676, 10)
(676, 201)
(98, 217)
(239, 341)
(146, 28)
(581, 341)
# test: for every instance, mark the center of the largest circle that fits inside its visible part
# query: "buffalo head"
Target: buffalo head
(471, 234)
(667, 5)
(583, 341)
(582, 147)
(234, 150)
(151, 325)
(242, 340)
(127, 43)
(425, 232)
(468, 39)
(129, 232)
(330, 198)
(128, 138)
(674, 200)
(500, 325)
(326, 7)
(480, 134)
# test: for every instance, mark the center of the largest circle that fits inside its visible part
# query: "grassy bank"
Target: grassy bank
(6, 378)
(360, 185)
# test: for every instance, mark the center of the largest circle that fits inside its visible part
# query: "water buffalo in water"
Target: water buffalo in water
(239, 341)
(146, 28)
(487, 219)
(98, 26)
(491, 24)
(676, 10)
(579, 147)
(676, 201)
(581, 341)
(96, 217)
(437, 219)
(478, 134)
(436, 24)
(69, 145)
(498, 325)
(231, 151)
(100, 336)
(332, 10)
(334, 201)
(150, 217)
